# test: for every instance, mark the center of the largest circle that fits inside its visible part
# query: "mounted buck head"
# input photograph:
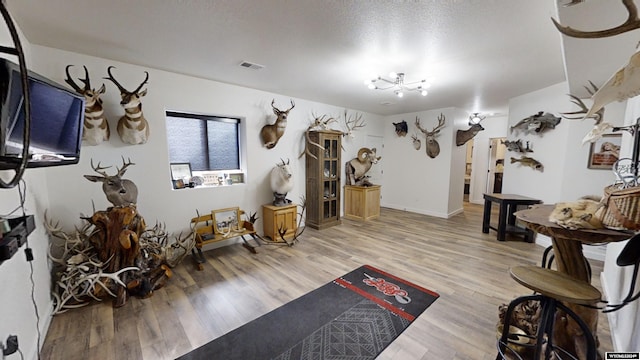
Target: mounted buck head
(132, 127)
(270, 134)
(95, 126)
(462, 136)
(432, 146)
(119, 191)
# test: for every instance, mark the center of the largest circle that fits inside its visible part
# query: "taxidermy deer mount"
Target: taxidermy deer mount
(133, 128)
(462, 136)
(119, 191)
(432, 146)
(95, 126)
(271, 133)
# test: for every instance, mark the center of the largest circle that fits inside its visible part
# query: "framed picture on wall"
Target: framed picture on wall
(605, 152)
(180, 171)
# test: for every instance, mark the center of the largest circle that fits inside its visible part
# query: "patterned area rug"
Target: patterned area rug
(354, 317)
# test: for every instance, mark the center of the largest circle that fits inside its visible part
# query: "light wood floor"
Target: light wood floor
(450, 256)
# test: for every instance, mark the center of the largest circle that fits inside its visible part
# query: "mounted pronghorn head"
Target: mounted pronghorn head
(132, 127)
(432, 146)
(96, 127)
(271, 133)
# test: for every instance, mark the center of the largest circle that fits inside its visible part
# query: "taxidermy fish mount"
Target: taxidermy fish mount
(516, 145)
(530, 162)
(537, 123)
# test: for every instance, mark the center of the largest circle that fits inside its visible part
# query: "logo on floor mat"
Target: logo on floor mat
(387, 288)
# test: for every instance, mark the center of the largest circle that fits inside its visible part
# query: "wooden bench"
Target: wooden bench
(219, 225)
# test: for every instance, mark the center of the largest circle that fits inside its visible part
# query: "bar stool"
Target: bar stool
(551, 288)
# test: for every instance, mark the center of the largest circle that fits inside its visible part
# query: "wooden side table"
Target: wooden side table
(506, 220)
(275, 218)
(570, 260)
(361, 202)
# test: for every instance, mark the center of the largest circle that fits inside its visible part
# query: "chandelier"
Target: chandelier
(398, 84)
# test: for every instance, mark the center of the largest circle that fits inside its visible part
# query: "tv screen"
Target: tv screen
(57, 114)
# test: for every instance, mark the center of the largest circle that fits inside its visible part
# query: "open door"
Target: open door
(496, 165)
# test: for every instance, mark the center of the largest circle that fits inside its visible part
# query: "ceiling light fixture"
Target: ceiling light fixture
(475, 118)
(398, 84)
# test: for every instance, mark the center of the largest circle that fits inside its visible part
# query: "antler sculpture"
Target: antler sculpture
(632, 23)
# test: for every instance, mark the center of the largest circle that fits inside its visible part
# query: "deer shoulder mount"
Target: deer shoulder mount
(119, 191)
(357, 168)
(271, 133)
(462, 136)
(95, 125)
(133, 128)
(432, 146)
(281, 183)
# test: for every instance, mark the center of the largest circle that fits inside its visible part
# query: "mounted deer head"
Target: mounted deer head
(631, 23)
(133, 128)
(462, 136)
(271, 133)
(95, 125)
(432, 146)
(119, 191)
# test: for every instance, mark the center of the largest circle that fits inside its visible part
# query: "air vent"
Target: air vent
(250, 65)
(387, 103)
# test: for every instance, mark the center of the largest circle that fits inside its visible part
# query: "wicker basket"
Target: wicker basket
(621, 208)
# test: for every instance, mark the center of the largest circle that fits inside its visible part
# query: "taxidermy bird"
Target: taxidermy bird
(622, 85)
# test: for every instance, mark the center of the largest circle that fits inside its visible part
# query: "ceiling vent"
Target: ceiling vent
(250, 65)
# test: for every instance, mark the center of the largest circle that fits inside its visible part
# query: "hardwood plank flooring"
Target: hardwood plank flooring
(450, 256)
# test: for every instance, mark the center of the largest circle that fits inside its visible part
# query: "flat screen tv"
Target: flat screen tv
(57, 114)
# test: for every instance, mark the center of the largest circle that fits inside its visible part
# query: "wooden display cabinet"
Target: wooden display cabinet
(275, 218)
(323, 171)
(361, 202)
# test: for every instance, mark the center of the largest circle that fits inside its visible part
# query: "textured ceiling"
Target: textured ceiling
(480, 53)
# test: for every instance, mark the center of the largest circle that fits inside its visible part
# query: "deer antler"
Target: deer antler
(632, 23)
(99, 169)
(598, 116)
(436, 129)
(353, 122)
(124, 166)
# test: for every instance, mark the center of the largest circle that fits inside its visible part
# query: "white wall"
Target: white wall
(72, 195)
(415, 182)
(18, 313)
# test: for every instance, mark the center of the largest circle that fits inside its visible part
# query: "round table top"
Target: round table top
(537, 219)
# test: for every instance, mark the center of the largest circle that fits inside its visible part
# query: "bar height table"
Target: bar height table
(506, 220)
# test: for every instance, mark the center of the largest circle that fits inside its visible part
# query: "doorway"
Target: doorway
(497, 149)
(467, 171)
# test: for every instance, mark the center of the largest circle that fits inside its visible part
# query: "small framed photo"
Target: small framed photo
(605, 152)
(180, 171)
(225, 220)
